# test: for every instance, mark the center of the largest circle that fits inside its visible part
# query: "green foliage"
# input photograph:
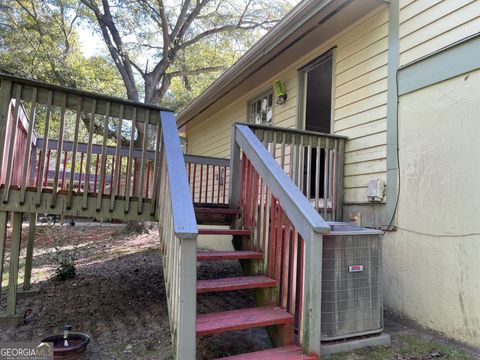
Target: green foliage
(278, 88)
(38, 39)
(63, 257)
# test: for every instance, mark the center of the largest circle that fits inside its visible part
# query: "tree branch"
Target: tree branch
(196, 71)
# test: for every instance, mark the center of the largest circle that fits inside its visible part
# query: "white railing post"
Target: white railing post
(179, 246)
(310, 331)
(235, 168)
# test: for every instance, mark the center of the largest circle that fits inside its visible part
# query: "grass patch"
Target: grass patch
(406, 348)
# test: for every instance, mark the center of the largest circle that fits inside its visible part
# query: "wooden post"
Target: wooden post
(3, 242)
(187, 299)
(14, 264)
(310, 332)
(235, 168)
(29, 255)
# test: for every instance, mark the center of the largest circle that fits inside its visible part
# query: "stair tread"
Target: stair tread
(234, 283)
(219, 322)
(207, 255)
(210, 231)
(290, 352)
(222, 211)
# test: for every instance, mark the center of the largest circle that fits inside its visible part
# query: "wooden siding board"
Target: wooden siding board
(363, 68)
(362, 93)
(356, 181)
(441, 41)
(361, 106)
(361, 82)
(414, 8)
(374, 153)
(366, 142)
(440, 10)
(372, 27)
(363, 55)
(366, 129)
(440, 26)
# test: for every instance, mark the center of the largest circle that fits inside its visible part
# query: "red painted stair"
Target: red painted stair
(223, 211)
(224, 232)
(291, 352)
(219, 322)
(228, 255)
(235, 283)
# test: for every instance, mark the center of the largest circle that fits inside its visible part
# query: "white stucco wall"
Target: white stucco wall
(431, 262)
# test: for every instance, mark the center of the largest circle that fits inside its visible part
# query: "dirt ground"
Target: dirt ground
(118, 298)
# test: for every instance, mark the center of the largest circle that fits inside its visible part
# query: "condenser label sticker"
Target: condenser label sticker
(355, 268)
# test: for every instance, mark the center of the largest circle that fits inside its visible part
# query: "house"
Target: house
(400, 79)
(378, 126)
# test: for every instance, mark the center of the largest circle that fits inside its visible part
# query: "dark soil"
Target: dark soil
(118, 298)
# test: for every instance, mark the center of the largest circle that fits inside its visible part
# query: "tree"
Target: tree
(159, 41)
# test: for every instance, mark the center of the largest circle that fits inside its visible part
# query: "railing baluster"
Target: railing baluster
(5, 98)
(116, 177)
(41, 163)
(194, 181)
(74, 155)
(317, 173)
(95, 177)
(80, 175)
(28, 150)
(309, 170)
(47, 170)
(13, 140)
(326, 177)
(156, 170)
(64, 168)
(224, 184)
(130, 160)
(213, 184)
(142, 162)
(103, 166)
(59, 151)
(206, 183)
(88, 161)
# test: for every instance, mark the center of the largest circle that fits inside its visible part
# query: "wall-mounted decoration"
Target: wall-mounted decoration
(280, 93)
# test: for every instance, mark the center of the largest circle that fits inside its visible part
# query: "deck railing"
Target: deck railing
(178, 233)
(95, 136)
(208, 178)
(287, 229)
(314, 162)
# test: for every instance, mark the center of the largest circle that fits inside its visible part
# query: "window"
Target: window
(260, 110)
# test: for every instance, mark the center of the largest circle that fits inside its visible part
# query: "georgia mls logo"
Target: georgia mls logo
(26, 351)
(355, 268)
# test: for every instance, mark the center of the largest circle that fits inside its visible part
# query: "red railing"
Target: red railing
(275, 236)
(286, 228)
(208, 178)
(119, 177)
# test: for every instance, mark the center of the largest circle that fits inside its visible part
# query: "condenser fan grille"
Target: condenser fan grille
(352, 301)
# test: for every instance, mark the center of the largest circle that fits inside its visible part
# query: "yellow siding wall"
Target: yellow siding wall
(360, 85)
(429, 25)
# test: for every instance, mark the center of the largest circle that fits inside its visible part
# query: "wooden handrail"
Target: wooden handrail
(290, 130)
(185, 225)
(178, 234)
(298, 208)
(259, 185)
(314, 161)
